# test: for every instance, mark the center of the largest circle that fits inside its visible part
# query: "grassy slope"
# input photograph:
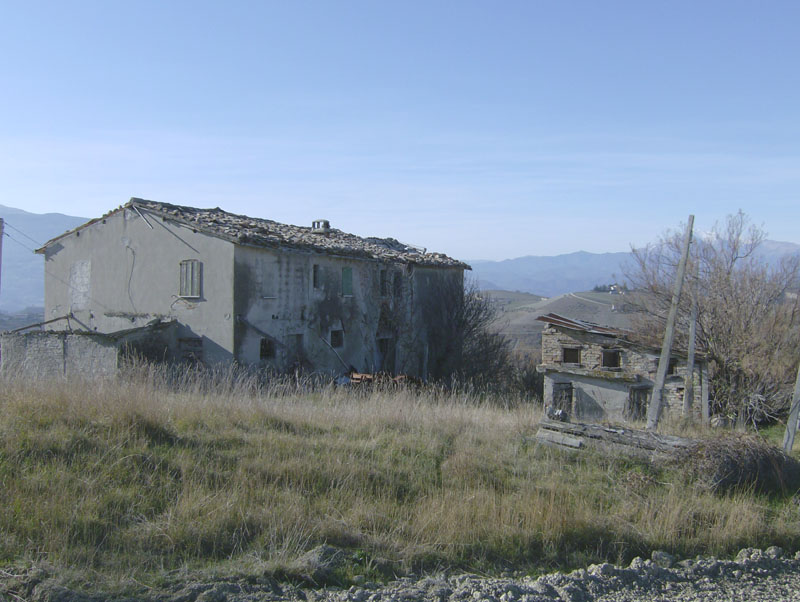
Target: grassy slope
(517, 313)
(133, 478)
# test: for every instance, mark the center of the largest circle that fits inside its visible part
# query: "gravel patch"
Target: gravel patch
(753, 576)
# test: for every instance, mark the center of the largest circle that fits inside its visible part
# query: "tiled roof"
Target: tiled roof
(259, 232)
(582, 325)
(622, 336)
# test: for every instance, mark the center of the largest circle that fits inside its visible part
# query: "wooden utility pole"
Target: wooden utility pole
(688, 387)
(704, 408)
(657, 398)
(791, 423)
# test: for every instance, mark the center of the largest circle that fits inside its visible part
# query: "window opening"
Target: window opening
(562, 397)
(672, 368)
(337, 338)
(191, 349)
(315, 275)
(347, 282)
(636, 406)
(398, 284)
(571, 355)
(296, 343)
(611, 358)
(267, 349)
(384, 282)
(191, 274)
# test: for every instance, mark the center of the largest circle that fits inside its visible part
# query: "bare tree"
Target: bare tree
(748, 314)
(463, 346)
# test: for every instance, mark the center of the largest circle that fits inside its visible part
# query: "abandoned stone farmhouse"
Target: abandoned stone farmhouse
(250, 290)
(596, 373)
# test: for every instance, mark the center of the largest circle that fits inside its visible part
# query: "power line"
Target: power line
(36, 242)
(21, 244)
(49, 273)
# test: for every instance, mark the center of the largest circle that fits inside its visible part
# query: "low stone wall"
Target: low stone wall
(58, 354)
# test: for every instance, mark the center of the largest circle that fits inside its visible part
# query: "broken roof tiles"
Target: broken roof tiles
(581, 325)
(244, 230)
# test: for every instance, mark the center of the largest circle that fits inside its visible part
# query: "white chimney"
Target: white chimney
(320, 226)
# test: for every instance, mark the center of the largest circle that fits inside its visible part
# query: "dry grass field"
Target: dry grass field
(150, 473)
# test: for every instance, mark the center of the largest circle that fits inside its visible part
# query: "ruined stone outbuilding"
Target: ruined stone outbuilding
(82, 354)
(251, 290)
(596, 373)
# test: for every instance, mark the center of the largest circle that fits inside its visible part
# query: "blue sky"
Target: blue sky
(480, 129)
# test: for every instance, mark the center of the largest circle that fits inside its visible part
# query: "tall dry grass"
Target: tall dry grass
(161, 470)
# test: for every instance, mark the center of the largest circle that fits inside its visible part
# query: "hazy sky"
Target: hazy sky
(480, 129)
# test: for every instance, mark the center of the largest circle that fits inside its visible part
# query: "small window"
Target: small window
(398, 284)
(384, 280)
(571, 355)
(337, 338)
(347, 282)
(267, 349)
(191, 349)
(562, 397)
(191, 275)
(315, 275)
(636, 406)
(611, 358)
(672, 368)
(295, 344)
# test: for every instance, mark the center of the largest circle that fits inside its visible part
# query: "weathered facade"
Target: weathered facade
(595, 373)
(250, 290)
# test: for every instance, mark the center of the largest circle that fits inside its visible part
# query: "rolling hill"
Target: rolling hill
(517, 313)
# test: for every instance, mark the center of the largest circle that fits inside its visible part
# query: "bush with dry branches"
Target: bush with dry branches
(748, 314)
(463, 346)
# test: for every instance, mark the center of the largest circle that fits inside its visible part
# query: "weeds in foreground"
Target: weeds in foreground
(158, 471)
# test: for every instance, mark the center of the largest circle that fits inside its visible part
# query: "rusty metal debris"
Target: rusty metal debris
(382, 378)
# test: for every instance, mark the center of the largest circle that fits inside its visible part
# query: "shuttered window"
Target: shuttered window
(191, 276)
(384, 283)
(347, 282)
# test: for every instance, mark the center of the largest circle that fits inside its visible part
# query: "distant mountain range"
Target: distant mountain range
(22, 279)
(550, 275)
(581, 271)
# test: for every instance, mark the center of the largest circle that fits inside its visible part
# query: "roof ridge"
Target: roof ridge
(264, 232)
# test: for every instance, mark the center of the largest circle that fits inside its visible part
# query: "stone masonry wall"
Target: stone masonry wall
(637, 367)
(632, 360)
(43, 355)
